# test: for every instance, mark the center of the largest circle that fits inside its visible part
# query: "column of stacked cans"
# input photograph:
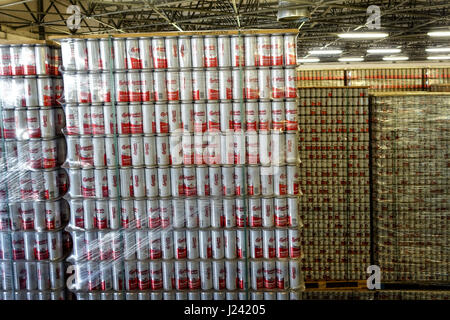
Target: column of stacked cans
(410, 174)
(32, 212)
(186, 157)
(334, 150)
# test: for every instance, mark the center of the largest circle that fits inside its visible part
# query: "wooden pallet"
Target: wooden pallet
(336, 285)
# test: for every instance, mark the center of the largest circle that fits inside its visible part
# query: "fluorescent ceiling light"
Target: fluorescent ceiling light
(395, 58)
(439, 33)
(437, 49)
(325, 52)
(306, 60)
(438, 57)
(363, 35)
(351, 59)
(384, 50)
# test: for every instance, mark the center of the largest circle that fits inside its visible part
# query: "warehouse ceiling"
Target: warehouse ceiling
(406, 21)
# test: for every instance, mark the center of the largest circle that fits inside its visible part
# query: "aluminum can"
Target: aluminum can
(192, 244)
(159, 86)
(211, 54)
(217, 213)
(251, 83)
(205, 244)
(177, 183)
(270, 271)
(212, 84)
(256, 275)
(293, 180)
(146, 83)
(223, 51)
(278, 83)
(237, 51)
(293, 216)
(162, 149)
(174, 117)
(291, 111)
(180, 246)
(197, 52)
(159, 53)
(217, 244)
(282, 243)
(119, 54)
(164, 182)
(264, 49)
(290, 80)
(133, 57)
(215, 181)
(218, 275)
(184, 52)
(191, 212)
(173, 85)
(198, 84)
(290, 49)
(145, 52)
(251, 58)
(277, 48)
(185, 84)
(230, 244)
(171, 45)
(121, 86)
(180, 275)
(106, 53)
(134, 86)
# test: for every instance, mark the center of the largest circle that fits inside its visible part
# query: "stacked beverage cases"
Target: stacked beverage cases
(334, 149)
(183, 164)
(32, 211)
(411, 177)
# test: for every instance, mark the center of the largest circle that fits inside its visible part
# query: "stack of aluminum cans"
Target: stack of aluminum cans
(321, 78)
(434, 76)
(334, 150)
(183, 164)
(411, 176)
(32, 211)
(388, 79)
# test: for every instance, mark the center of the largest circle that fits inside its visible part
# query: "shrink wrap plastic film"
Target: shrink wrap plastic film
(183, 162)
(33, 214)
(410, 195)
(335, 207)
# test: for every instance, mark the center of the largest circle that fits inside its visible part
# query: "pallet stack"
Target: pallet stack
(410, 195)
(334, 175)
(191, 191)
(32, 212)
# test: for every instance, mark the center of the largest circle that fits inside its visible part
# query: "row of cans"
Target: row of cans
(34, 215)
(30, 276)
(189, 275)
(163, 150)
(330, 102)
(185, 85)
(32, 245)
(177, 182)
(186, 244)
(32, 123)
(315, 93)
(188, 295)
(160, 118)
(189, 213)
(29, 60)
(170, 52)
(32, 154)
(48, 184)
(31, 91)
(33, 295)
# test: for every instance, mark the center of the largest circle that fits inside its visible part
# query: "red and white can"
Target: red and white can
(293, 216)
(192, 244)
(139, 184)
(213, 116)
(198, 84)
(200, 117)
(293, 180)
(187, 143)
(174, 117)
(84, 118)
(184, 51)
(282, 274)
(238, 77)
(134, 86)
(126, 182)
(124, 148)
(175, 150)
(254, 212)
(109, 116)
(291, 111)
(173, 85)
(212, 84)
(185, 84)
(88, 183)
(290, 49)
(162, 149)
(253, 181)
(277, 48)
(290, 82)
(256, 244)
(239, 148)
(223, 51)
(148, 118)
(179, 239)
(171, 45)
(225, 84)
(193, 275)
(147, 92)
(280, 181)
(278, 115)
(269, 248)
(45, 94)
(121, 86)
(256, 275)
(264, 49)
(202, 177)
(237, 51)
(251, 53)
(189, 181)
(294, 274)
(159, 53)
(205, 245)
(145, 52)
(264, 83)
(151, 182)
(277, 83)
(97, 120)
(217, 244)
(197, 52)
(294, 243)
(226, 116)
(251, 83)
(161, 118)
(282, 243)
(215, 181)
(164, 182)
(154, 238)
(133, 56)
(119, 54)
(211, 55)
(135, 118)
(269, 274)
(159, 85)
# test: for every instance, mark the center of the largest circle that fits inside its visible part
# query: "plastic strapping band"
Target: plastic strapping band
(347, 186)
(244, 175)
(116, 143)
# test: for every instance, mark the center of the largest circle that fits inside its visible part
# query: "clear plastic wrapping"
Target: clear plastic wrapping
(334, 171)
(183, 167)
(410, 175)
(33, 214)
